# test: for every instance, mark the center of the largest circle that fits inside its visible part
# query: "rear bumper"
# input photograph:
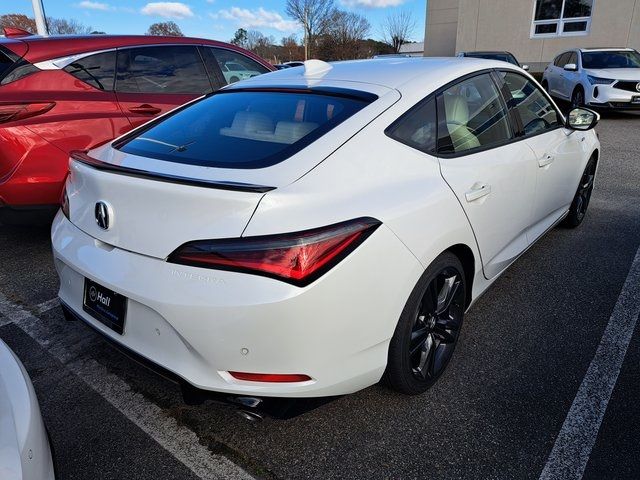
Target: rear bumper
(200, 324)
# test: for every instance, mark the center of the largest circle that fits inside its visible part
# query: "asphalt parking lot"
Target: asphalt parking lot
(528, 359)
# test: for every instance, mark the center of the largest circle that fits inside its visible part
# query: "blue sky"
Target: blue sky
(217, 19)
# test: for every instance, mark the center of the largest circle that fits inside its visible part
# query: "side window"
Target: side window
(166, 69)
(471, 115)
(573, 58)
(97, 70)
(531, 105)
(417, 128)
(235, 66)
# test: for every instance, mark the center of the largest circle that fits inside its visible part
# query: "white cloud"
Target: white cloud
(259, 18)
(372, 3)
(175, 10)
(94, 5)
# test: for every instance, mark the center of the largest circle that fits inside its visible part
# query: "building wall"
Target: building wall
(441, 28)
(506, 25)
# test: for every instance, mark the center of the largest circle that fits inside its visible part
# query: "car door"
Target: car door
(492, 175)
(152, 80)
(230, 66)
(569, 78)
(557, 151)
(555, 78)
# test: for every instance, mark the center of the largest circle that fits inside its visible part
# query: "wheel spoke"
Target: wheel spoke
(447, 294)
(445, 334)
(426, 357)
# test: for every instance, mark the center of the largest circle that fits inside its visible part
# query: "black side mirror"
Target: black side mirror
(582, 119)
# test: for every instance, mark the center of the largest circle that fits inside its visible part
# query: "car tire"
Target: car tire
(429, 327)
(233, 79)
(580, 202)
(577, 97)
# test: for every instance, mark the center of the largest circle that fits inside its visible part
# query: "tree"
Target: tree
(397, 28)
(343, 39)
(291, 50)
(314, 16)
(18, 20)
(240, 38)
(167, 29)
(61, 26)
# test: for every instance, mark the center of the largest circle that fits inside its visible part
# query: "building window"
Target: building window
(553, 18)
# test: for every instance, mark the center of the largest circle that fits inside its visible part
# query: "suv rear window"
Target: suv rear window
(244, 128)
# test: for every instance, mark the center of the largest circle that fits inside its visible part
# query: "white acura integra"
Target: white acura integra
(307, 232)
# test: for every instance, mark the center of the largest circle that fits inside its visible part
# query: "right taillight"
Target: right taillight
(298, 258)
(64, 203)
(12, 112)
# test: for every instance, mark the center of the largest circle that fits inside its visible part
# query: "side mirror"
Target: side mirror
(582, 119)
(571, 67)
(525, 68)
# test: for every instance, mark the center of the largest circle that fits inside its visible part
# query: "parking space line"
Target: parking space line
(46, 306)
(178, 440)
(573, 445)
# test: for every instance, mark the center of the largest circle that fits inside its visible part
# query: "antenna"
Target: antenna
(313, 68)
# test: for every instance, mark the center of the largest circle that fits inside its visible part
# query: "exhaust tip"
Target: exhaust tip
(250, 416)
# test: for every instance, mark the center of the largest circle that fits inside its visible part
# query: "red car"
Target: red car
(59, 94)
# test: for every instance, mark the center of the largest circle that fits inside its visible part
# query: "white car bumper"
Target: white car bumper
(200, 323)
(612, 96)
(24, 447)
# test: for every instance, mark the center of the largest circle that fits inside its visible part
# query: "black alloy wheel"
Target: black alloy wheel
(429, 326)
(581, 200)
(577, 99)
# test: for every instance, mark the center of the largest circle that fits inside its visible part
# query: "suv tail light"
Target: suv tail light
(12, 112)
(298, 258)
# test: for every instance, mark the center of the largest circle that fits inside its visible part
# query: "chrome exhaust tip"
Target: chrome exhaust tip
(250, 416)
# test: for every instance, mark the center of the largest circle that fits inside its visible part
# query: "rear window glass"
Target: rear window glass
(503, 57)
(5, 62)
(243, 129)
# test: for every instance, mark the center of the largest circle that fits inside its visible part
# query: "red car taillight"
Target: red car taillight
(298, 258)
(12, 112)
(270, 377)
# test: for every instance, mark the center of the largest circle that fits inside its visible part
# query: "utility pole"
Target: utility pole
(38, 13)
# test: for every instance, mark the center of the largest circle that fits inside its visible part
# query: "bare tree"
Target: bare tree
(61, 26)
(167, 29)
(291, 50)
(314, 16)
(344, 36)
(397, 29)
(18, 20)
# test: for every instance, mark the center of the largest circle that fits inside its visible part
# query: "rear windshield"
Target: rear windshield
(243, 129)
(622, 59)
(6, 61)
(503, 57)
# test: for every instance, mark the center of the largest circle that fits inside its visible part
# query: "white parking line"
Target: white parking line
(46, 306)
(571, 451)
(178, 440)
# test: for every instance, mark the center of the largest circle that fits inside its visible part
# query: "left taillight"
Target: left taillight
(12, 112)
(64, 202)
(298, 258)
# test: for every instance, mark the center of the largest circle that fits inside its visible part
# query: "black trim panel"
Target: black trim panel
(85, 159)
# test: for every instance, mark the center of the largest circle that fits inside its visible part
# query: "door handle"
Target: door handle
(145, 109)
(546, 160)
(478, 190)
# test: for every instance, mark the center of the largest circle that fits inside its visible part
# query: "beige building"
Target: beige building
(533, 30)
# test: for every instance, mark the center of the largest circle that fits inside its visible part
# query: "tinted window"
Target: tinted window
(548, 9)
(243, 129)
(235, 66)
(546, 28)
(503, 57)
(97, 70)
(418, 127)
(471, 115)
(572, 58)
(612, 59)
(533, 107)
(166, 69)
(5, 62)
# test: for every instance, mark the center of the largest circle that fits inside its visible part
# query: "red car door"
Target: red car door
(152, 80)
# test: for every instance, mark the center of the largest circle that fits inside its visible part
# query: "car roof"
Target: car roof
(55, 46)
(607, 49)
(402, 74)
(488, 52)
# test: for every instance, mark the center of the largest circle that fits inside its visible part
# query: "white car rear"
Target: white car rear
(272, 239)
(24, 446)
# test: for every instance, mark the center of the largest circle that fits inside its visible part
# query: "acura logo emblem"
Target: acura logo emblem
(102, 215)
(638, 87)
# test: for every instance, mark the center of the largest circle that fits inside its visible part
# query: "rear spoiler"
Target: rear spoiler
(11, 32)
(85, 159)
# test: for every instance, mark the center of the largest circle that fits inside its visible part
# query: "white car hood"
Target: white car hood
(632, 74)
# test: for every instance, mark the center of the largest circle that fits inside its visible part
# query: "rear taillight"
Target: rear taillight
(64, 203)
(12, 112)
(298, 258)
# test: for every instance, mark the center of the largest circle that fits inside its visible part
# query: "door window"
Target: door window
(97, 70)
(233, 65)
(531, 105)
(573, 58)
(472, 115)
(165, 69)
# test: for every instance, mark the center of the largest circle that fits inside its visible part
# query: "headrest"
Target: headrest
(456, 109)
